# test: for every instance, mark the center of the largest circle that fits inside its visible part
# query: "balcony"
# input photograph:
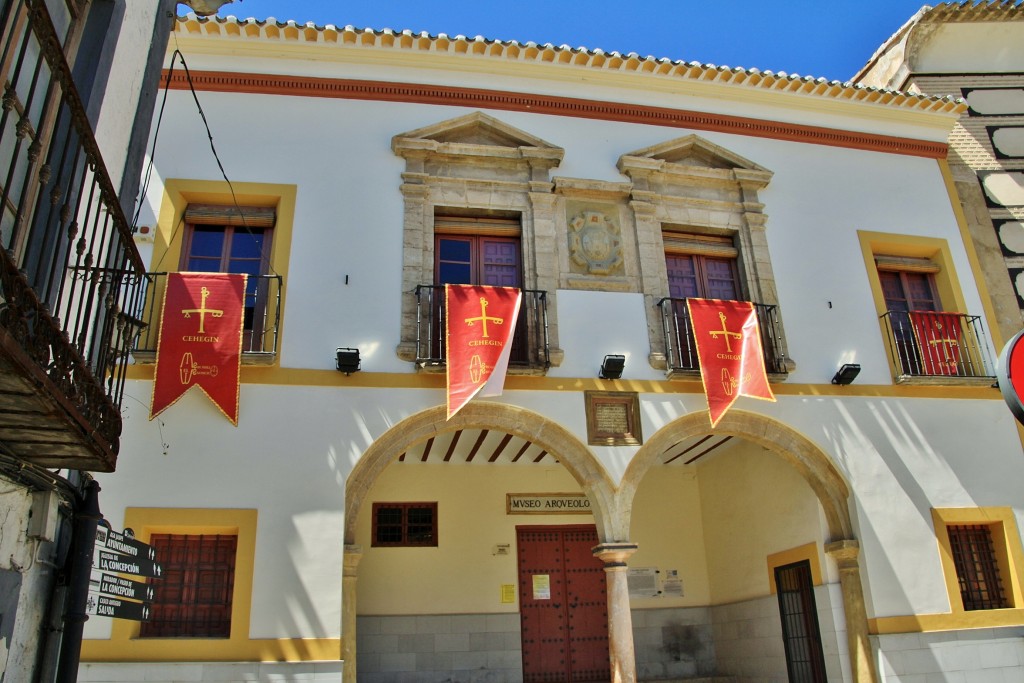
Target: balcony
(69, 269)
(938, 348)
(261, 323)
(530, 352)
(681, 351)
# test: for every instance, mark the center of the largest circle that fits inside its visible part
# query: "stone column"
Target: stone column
(541, 265)
(353, 553)
(862, 662)
(650, 247)
(417, 255)
(620, 619)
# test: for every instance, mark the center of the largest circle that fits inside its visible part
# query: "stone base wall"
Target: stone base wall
(469, 648)
(748, 638)
(222, 672)
(673, 643)
(981, 655)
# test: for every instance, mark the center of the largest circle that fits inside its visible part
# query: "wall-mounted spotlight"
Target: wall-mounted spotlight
(611, 367)
(846, 374)
(348, 360)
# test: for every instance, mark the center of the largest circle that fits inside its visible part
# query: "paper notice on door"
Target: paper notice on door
(541, 587)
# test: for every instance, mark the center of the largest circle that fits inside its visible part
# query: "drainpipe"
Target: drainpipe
(83, 538)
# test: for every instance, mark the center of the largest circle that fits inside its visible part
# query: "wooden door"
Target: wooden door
(694, 276)
(563, 605)
(477, 260)
(905, 292)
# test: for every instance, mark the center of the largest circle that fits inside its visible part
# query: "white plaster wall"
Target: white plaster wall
(121, 99)
(978, 47)
(588, 337)
(295, 447)
(33, 560)
(972, 656)
(349, 219)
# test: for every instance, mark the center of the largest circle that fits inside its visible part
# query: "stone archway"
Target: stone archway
(820, 473)
(572, 454)
(800, 452)
(577, 459)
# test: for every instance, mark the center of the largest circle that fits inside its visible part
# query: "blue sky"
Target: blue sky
(829, 38)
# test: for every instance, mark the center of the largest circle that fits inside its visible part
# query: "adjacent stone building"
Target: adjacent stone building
(973, 51)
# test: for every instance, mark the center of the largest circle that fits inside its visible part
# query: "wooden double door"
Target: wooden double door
(563, 605)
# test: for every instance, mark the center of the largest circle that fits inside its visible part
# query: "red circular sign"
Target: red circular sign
(1010, 373)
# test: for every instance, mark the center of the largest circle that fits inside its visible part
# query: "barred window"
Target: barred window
(404, 524)
(193, 597)
(977, 570)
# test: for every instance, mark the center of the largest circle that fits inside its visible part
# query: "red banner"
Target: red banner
(729, 347)
(938, 337)
(200, 340)
(480, 323)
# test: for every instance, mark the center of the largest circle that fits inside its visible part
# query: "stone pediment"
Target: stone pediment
(691, 151)
(476, 134)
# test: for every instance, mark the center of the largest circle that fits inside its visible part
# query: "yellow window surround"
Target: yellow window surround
(1006, 544)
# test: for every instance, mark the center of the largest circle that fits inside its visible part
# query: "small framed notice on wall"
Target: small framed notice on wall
(613, 418)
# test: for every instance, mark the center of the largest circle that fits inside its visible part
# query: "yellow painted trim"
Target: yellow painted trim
(125, 645)
(189, 650)
(179, 193)
(932, 248)
(278, 376)
(972, 255)
(808, 551)
(926, 623)
(1005, 540)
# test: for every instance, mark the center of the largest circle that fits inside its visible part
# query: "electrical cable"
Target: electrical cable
(177, 55)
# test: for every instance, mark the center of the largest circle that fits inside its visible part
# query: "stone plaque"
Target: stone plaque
(613, 418)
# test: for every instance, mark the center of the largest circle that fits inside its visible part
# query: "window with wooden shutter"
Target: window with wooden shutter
(404, 524)
(230, 239)
(194, 595)
(701, 266)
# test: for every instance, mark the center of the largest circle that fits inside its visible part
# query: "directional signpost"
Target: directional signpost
(105, 606)
(115, 596)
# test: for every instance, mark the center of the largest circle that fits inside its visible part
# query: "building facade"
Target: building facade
(576, 528)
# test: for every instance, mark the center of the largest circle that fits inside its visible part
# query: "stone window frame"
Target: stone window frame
(477, 166)
(691, 185)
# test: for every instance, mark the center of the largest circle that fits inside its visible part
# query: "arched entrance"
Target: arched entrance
(750, 492)
(474, 461)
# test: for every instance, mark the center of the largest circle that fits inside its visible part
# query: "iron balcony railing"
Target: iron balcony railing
(681, 351)
(261, 322)
(937, 345)
(69, 268)
(530, 347)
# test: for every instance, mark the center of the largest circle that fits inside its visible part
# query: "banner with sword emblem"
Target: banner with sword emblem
(200, 341)
(728, 341)
(480, 326)
(938, 336)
